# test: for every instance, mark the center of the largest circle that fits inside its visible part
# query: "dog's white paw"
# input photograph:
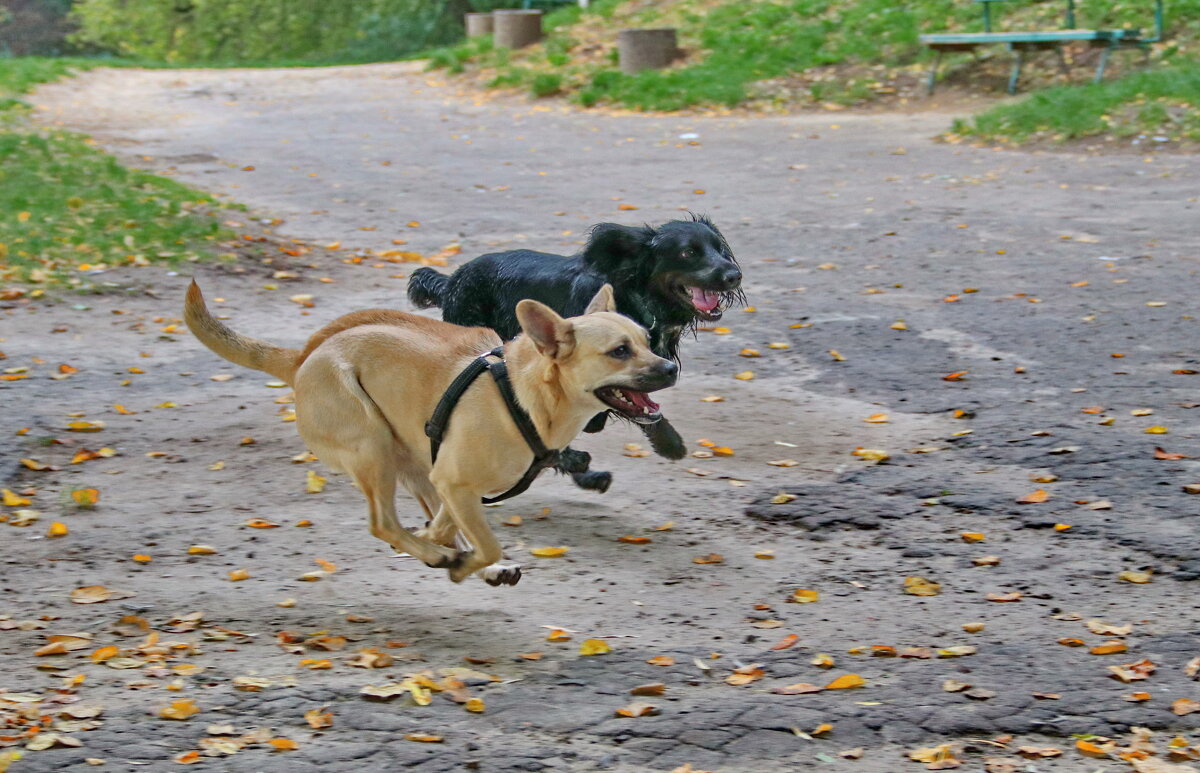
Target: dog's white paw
(501, 574)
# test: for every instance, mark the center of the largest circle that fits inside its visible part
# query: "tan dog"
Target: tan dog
(367, 383)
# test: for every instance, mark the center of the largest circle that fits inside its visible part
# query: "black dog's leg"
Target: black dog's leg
(665, 441)
(576, 463)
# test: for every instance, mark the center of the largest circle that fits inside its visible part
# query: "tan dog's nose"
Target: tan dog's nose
(658, 376)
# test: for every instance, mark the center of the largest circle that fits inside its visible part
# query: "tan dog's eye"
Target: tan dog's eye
(622, 352)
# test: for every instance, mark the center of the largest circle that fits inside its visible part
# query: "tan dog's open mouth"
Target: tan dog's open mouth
(630, 403)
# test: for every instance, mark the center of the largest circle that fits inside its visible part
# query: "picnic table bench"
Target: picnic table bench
(548, 4)
(1022, 41)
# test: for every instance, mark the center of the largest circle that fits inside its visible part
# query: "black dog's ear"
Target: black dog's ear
(610, 245)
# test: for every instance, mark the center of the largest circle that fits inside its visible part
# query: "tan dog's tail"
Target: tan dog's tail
(238, 349)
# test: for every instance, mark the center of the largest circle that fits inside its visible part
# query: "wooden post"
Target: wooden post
(516, 28)
(648, 49)
(479, 24)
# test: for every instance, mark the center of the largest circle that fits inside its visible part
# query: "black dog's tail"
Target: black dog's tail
(427, 288)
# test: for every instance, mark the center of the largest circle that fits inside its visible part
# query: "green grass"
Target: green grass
(66, 207)
(736, 43)
(20, 74)
(1161, 102)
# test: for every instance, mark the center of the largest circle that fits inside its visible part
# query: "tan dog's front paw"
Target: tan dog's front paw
(501, 574)
(464, 565)
(446, 559)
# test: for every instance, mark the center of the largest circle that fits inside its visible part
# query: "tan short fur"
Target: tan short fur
(367, 382)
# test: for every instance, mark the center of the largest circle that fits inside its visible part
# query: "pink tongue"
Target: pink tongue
(640, 399)
(705, 300)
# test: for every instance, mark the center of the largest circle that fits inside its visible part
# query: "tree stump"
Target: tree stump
(516, 28)
(479, 24)
(646, 49)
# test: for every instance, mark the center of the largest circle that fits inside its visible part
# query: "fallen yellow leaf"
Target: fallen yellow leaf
(86, 497)
(179, 710)
(12, 500)
(1031, 499)
(846, 681)
(594, 647)
(920, 586)
(91, 594)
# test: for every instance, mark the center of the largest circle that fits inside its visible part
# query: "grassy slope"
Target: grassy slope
(66, 207)
(733, 44)
(1163, 104)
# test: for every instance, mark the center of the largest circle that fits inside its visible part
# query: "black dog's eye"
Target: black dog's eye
(687, 252)
(622, 352)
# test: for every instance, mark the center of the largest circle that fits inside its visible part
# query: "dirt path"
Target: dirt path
(846, 223)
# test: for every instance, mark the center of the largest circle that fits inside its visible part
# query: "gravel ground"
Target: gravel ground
(1061, 286)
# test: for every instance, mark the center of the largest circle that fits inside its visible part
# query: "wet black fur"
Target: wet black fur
(645, 265)
(648, 267)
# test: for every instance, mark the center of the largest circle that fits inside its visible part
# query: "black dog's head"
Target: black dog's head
(687, 264)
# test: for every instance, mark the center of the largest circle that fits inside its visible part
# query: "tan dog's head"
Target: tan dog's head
(600, 354)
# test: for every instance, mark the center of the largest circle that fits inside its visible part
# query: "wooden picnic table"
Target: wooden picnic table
(1022, 41)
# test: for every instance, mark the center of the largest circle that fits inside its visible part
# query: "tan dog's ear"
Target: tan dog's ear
(553, 335)
(603, 301)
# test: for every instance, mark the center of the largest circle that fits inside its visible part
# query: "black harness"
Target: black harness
(435, 428)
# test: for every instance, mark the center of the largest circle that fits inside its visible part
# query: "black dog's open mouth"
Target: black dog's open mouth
(630, 403)
(707, 303)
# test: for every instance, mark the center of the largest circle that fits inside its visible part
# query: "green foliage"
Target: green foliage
(739, 42)
(65, 205)
(455, 58)
(1162, 102)
(546, 84)
(508, 77)
(84, 208)
(20, 74)
(257, 31)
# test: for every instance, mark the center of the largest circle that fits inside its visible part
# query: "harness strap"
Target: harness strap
(435, 428)
(520, 416)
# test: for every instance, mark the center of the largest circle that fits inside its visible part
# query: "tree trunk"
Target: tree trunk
(517, 28)
(649, 49)
(479, 24)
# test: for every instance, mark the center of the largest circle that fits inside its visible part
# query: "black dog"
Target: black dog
(668, 279)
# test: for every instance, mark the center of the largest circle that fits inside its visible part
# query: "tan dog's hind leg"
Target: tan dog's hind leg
(464, 507)
(441, 529)
(439, 526)
(378, 483)
(345, 428)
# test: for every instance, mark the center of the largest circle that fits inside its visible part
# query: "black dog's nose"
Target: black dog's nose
(732, 278)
